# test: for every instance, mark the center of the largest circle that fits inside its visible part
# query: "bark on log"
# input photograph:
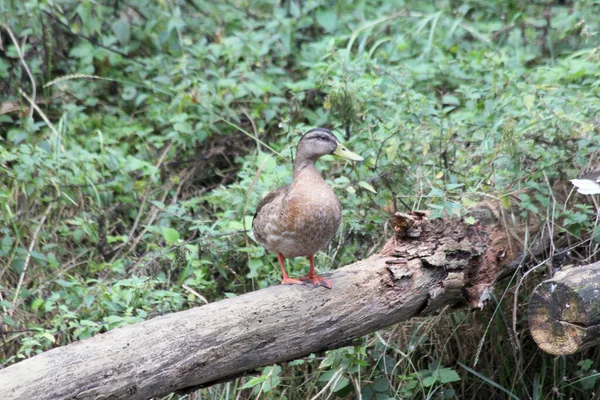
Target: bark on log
(564, 312)
(426, 266)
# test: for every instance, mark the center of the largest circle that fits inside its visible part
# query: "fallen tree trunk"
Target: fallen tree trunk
(564, 312)
(426, 266)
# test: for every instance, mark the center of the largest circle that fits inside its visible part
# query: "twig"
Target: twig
(254, 128)
(516, 301)
(150, 220)
(334, 379)
(192, 291)
(28, 256)
(182, 181)
(21, 57)
(43, 115)
(3, 306)
(66, 268)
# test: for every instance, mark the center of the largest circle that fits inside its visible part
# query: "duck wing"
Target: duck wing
(275, 195)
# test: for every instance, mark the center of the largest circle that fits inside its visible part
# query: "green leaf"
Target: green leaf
(528, 101)
(113, 319)
(66, 284)
(7, 243)
(270, 114)
(254, 265)
(121, 30)
(7, 304)
(452, 186)
(326, 376)
(429, 381)
(85, 322)
(327, 19)
(180, 117)
(447, 375)
(596, 234)
(129, 93)
(134, 164)
(38, 256)
(450, 99)
(381, 384)
(392, 150)
(254, 381)
(170, 235)
(78, 235)
(366, 185)
(36, 304)
(341, 384)
(273, 370)
(585, 364)
(470, 220)
(8, 320)
(448, 394)
(183, 127)
(436, 192)
(88, 300)
(589, 382)
(112, 239)
(48, 336)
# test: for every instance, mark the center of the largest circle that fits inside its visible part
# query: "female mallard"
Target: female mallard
(299, 219)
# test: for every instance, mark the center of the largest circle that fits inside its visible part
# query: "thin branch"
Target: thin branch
(91, 40)
(195, 293)
(22, 58)
(28, 256)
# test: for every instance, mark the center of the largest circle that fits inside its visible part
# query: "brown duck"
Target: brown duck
(299, 219)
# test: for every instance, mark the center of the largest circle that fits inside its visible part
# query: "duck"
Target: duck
(299, 219)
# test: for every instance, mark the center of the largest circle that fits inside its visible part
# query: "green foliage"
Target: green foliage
(160, 125)
(265, 383)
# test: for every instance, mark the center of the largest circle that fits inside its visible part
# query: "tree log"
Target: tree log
(427, 265)
(564, 312)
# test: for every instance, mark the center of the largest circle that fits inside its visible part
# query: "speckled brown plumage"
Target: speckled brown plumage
(299, 219)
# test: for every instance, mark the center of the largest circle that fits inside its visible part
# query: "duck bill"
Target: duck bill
(343, 152)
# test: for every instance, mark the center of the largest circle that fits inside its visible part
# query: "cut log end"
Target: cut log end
(564, 311)
(557, 319)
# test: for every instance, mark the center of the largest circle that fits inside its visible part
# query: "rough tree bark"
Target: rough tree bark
(564, 312)
(427, 265)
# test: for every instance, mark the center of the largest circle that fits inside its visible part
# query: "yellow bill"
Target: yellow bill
(342, 151)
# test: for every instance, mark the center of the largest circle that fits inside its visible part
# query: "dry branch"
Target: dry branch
(564, 312)
(426, 266)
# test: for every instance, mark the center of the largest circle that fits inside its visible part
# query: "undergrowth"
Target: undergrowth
(137, 137)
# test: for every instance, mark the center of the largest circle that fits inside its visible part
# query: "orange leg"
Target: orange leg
(286, 278)
(314, 278)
